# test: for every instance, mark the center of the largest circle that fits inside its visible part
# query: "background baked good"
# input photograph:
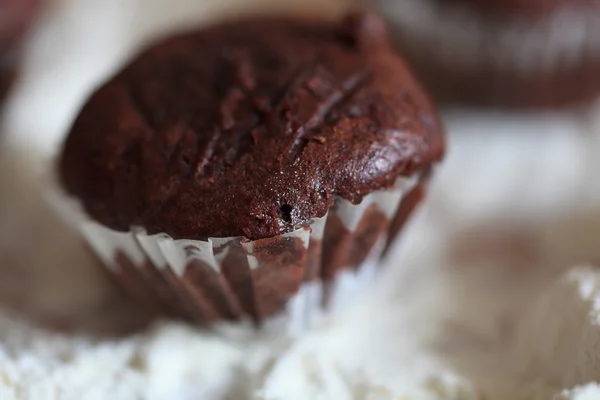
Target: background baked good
(482, 54)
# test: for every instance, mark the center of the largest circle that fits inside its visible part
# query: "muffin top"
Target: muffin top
(526, 7)
(250, 128)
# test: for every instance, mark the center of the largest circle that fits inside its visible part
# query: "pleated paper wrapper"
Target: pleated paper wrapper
(288, 282)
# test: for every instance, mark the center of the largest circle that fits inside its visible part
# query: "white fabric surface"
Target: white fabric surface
(488, 294)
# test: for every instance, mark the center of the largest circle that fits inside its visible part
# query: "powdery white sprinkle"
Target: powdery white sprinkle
(587, 392)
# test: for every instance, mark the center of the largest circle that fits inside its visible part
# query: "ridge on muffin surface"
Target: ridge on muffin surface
(250, 128)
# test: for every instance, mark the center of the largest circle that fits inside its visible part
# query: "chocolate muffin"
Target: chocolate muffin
(15, 17)
(238, 171)
(501, 53)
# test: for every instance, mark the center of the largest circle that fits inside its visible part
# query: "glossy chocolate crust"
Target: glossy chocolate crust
(250, 128)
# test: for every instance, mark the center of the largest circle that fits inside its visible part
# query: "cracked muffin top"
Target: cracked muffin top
(250, 128)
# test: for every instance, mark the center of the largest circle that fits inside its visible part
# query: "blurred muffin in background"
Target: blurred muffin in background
(15, 18)
(501, 53)
(531, 7)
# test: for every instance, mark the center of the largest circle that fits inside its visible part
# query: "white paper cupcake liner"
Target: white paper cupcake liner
(290, 279)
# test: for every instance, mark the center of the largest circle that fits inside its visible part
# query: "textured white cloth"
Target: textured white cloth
(479, 299)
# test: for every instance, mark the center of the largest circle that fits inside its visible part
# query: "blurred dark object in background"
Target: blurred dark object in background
(524, 7)
(501, 53)
(15, 18)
